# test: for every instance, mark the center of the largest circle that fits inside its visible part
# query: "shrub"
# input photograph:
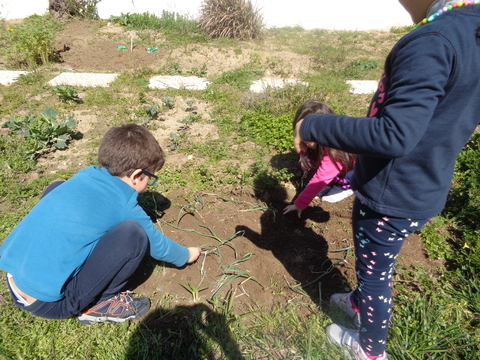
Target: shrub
(66, 9)
(237, 19)
(31, 43)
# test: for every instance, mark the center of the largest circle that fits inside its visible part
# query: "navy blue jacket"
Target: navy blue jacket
(425, 109)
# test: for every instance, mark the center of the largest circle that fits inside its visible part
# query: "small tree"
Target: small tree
(237, 19)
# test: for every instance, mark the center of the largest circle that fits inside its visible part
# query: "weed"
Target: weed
(67, 94)
(171, 68)
(200, 72)
(30, 78)
(435, 237)
(267, 129)
(194, 290)
(168, 102)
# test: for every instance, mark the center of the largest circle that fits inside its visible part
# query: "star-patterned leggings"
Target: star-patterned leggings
(378, 240)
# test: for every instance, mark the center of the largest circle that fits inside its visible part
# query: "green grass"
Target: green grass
(437, 315)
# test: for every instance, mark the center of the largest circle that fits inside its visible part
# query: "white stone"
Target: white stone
(363, 86)
(178, 82)
(263, 84)
(83, 79)
(9, 77)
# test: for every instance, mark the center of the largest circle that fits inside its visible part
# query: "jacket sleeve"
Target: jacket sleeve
(402, 107)
(161, 247)
(326, 172)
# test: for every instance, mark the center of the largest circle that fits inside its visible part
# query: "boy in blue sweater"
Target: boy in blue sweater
(73, 254)
(424, 111)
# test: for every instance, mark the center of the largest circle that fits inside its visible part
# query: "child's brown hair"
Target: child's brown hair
(129, 147)
(316, 155)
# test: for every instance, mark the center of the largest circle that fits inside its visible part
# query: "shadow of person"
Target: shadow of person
(293, 241)
(183, 333)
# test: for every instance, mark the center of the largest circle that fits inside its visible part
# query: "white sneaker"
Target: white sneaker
(349, 340)
(337, 194)
(324, 191)
(344, 303)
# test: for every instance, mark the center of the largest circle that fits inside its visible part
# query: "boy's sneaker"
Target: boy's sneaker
(344, 303)
(337, 194)
(119, 308)
(349, 340)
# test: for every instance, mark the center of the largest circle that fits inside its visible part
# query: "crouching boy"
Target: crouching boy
(73, 254)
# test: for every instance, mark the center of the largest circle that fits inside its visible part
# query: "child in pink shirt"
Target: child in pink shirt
(331, 180)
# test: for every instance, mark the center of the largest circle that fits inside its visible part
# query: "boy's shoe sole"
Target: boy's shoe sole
(117, 309)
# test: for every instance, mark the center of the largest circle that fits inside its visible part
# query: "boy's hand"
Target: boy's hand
(193, 254)
(292, 207)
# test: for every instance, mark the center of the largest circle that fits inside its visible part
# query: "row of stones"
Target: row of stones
(177, 82)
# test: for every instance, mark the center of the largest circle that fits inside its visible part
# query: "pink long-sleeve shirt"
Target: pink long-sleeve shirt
(326, 172)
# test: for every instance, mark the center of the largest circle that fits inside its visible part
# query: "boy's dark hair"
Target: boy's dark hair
(316, 155)
(129, 147)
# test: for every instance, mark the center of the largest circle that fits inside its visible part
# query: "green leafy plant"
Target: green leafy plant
(237, 19)
(43, 132)
(267, 129)
(175, 141)
(200, 72)
(179, 27)
(168, 102)
(67, 94)
(148, 113)
(171, 68)
(194, 290)
(31, 43)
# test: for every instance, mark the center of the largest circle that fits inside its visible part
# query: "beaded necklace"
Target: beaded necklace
(445, 9)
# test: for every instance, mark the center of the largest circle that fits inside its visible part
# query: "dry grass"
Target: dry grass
(237, 19)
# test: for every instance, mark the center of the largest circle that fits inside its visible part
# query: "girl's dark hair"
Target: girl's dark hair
(129, 147)
(316, 155)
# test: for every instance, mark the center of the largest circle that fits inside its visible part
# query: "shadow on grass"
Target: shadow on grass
(183, 333)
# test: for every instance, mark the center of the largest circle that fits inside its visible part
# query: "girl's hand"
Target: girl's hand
(292, 207)
(298, 143)
(305, 163)
(193, 254)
